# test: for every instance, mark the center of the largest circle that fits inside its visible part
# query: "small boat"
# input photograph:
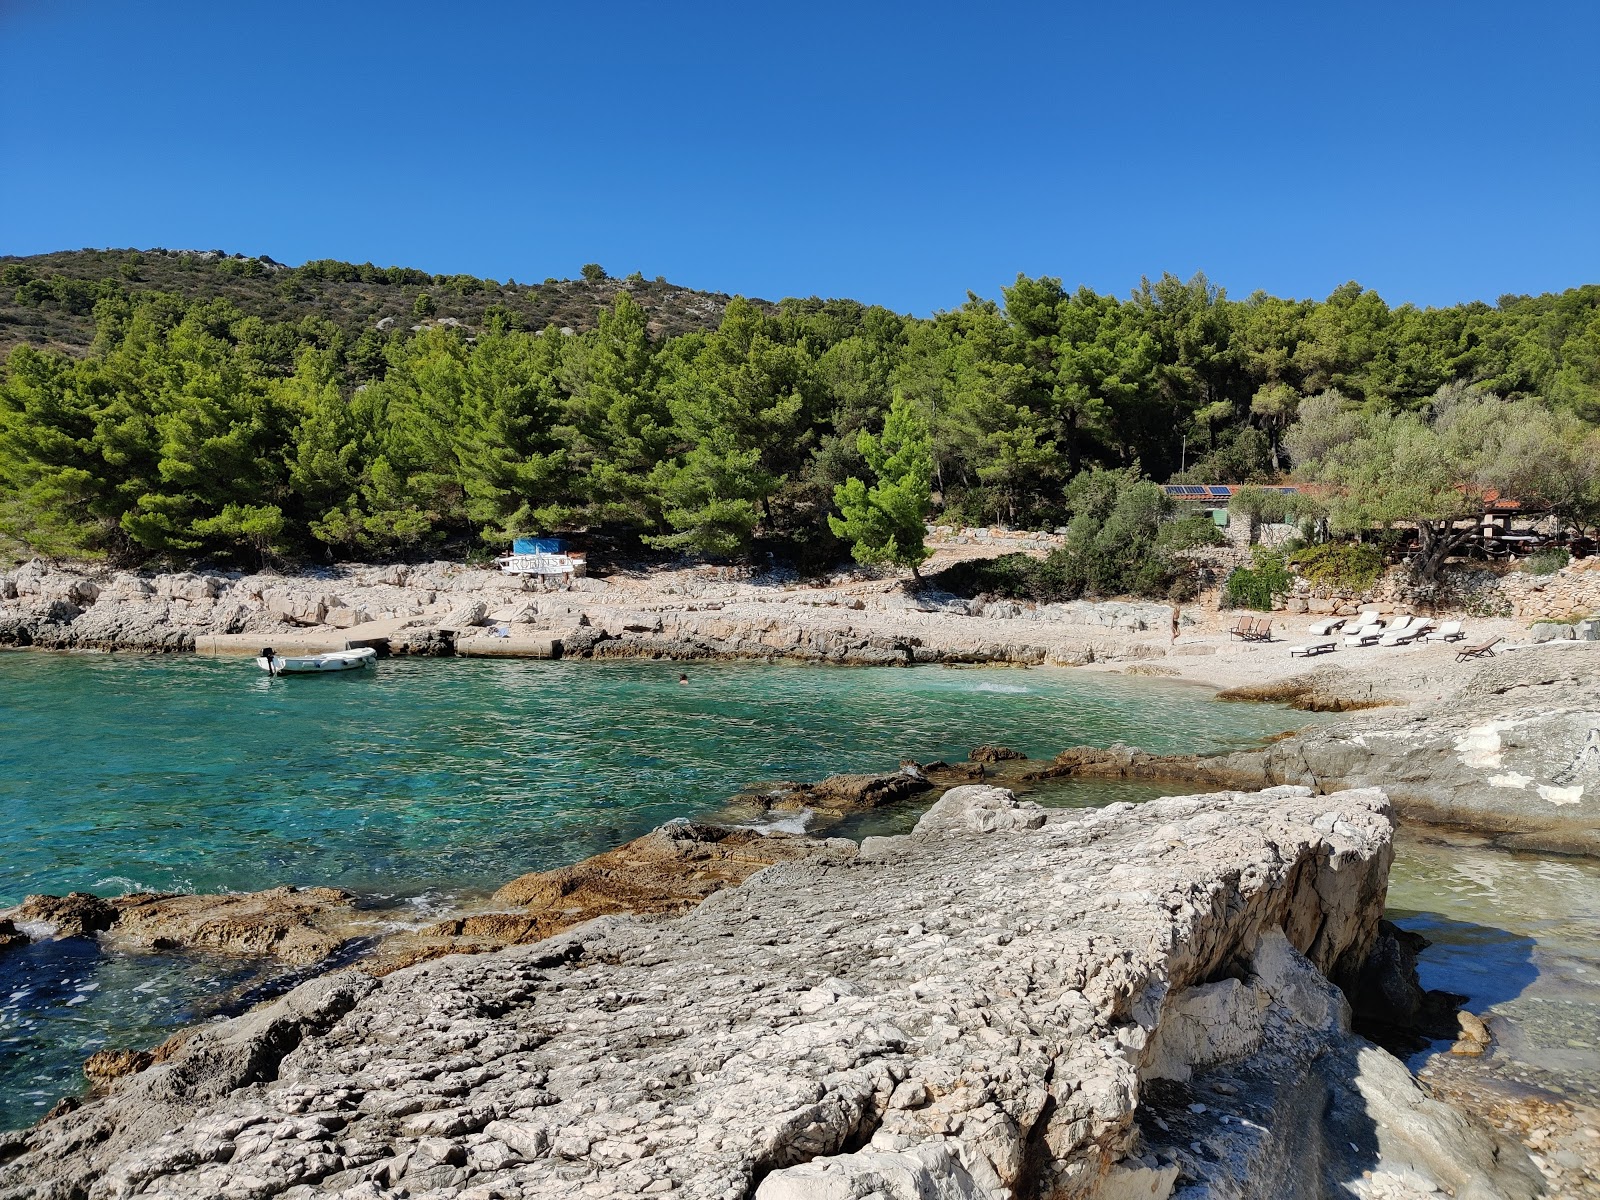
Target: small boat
(315, 664)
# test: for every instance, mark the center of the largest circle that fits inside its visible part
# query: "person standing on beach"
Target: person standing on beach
(1174, 623)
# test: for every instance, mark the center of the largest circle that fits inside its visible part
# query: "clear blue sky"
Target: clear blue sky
(1438, 150)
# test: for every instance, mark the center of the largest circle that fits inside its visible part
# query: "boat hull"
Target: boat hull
(318, 664)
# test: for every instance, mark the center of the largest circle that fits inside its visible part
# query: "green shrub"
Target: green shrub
(1256, 585)
(1547, 561)
(1244, 588)
(1343, 567)
(1120, 543)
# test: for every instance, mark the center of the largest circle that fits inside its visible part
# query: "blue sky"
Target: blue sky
(895, 153)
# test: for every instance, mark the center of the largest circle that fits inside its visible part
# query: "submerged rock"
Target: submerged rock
(1115, 1003)
(994, 754)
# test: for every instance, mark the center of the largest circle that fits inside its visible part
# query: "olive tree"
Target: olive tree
(1438, 469)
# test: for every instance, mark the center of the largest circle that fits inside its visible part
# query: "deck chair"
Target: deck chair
(1241, 628)
(1325, 626)
(1450, 631)
(1262, 631)
(1483, 649)
(1364, 634)
(1312, 649)
(1403, 634)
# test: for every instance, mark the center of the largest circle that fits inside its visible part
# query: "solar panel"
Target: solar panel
(1222, 490)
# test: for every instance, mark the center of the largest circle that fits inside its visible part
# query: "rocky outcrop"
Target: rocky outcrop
(77, 914)
(840, 794)
(1514, 753)
(1111, 1003)
(292, 925)
(300, 926)
(1328, 689)
(685, 614)
(669, 870)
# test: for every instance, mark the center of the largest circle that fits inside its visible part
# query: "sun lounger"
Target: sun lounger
(1403, 636)
(1325, 626)
(1241, 628)
(1311, 649)
(1364, 635)
(1450, 631)
(1481, 650)
(1263, 630)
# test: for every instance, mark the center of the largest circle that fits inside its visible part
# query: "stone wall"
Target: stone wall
(1573, 591)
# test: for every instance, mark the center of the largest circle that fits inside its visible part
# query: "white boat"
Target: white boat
(315, 664)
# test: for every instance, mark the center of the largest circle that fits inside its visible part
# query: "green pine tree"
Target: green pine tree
(885, 521)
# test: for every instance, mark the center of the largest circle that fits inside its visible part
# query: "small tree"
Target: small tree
(885, 522)
(423, 306)
(594, 272)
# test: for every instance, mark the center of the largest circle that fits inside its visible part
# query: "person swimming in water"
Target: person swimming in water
(683, 678)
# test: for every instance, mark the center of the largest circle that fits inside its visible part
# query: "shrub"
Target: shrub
(1547, 561)
(1244, 588)
(1342, 567)
(1120, 543)
(1256, 585)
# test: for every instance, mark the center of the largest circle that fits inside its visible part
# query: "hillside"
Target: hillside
(49, 299)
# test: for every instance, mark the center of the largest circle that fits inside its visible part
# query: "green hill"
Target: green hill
(48, 300)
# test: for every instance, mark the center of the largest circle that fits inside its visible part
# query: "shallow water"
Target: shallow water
(422, 779)
(1519, 935)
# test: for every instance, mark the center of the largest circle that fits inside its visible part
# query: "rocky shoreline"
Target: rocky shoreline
(435, 609)
(1514, 755)
(1511, 748)
(823, 1030)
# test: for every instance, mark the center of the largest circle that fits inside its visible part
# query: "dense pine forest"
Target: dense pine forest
(182, 405)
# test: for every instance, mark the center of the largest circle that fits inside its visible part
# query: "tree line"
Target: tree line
(801, 429)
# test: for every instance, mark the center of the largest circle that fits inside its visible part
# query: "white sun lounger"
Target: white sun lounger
(1400, 637)
(1364, 635)
(1325, 626)
(1450, 631)
(1311, 649)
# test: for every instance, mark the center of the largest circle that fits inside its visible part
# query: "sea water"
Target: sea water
(418, 781)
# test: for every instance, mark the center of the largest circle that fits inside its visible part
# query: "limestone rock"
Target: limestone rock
(974, 808)
(973, 1015)
(295, 925)
(296, 606)
(77, 914)
(467, 616)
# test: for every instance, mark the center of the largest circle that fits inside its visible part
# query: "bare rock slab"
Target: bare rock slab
(989, 1008)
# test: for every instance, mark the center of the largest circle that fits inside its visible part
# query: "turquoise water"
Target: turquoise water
(420, 780)
(191, 774)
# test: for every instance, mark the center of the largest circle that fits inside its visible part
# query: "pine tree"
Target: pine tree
(885, 521)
